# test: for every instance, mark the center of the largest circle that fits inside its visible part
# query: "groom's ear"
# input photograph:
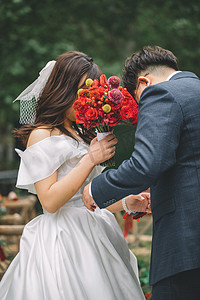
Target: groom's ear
(144, 80)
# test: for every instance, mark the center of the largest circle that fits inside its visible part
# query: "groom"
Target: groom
(166, 159)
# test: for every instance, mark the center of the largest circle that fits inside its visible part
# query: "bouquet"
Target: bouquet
(103, 105)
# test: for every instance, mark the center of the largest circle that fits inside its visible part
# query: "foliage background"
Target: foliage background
(33, 32)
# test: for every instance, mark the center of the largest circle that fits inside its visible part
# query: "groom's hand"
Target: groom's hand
(88, 200)
(139, 203)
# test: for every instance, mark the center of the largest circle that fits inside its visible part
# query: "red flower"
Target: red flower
(126, 112)
(115, 107)
(102, 91)
(95, 82)
(114, 121)
(91, 114)
(126, 94)
(103, 80)
(80, 119)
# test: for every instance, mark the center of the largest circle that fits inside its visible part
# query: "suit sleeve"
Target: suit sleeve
(156, 140)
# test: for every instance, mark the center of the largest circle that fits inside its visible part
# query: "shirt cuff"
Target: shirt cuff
(90, 189)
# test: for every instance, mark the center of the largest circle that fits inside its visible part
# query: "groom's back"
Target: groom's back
(176, 195)
(186, 92)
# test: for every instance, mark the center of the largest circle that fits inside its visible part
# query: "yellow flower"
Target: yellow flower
(79, 91)
(88, 82)
(106, 108)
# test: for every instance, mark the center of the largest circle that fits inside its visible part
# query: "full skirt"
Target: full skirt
(72, 254)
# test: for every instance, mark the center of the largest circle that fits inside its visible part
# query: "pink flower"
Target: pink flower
(115, 96)
(114, 82)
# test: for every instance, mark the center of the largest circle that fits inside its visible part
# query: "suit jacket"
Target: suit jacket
(166, 158)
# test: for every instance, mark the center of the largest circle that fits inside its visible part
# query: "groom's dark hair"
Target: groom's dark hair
(148, 57)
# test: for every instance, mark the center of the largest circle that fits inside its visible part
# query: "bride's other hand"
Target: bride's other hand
(139, 203)
(88, 200)
(100, 151)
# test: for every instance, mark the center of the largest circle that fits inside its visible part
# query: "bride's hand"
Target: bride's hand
(100, 151)
(139, 203)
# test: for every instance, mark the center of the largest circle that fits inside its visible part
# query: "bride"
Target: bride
(68, 252)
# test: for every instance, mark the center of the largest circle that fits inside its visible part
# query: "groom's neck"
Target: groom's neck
(160, 74)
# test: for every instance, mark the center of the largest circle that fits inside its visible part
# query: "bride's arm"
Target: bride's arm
(52, 193)
(139, 203)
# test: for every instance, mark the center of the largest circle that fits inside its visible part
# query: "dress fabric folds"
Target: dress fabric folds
(72, 254)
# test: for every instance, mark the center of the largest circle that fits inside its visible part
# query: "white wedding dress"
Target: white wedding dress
(73, 253)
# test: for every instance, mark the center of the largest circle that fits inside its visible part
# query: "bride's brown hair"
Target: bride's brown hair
(60, 93)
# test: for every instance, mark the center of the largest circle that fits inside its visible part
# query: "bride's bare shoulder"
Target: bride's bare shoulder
(40, 134)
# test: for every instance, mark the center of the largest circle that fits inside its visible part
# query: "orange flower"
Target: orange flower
(78, 104)
(102, 90)
(94, 92)
(83, 93)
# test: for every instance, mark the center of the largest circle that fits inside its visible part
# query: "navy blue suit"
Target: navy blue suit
(166, 158)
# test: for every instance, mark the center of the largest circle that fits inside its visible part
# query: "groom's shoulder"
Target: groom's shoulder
(181, 85)
(154, 93)
(183, 75)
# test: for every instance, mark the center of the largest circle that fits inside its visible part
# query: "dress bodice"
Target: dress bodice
(61, 153)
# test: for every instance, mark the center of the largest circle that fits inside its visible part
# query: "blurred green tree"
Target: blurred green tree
(33, 32)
